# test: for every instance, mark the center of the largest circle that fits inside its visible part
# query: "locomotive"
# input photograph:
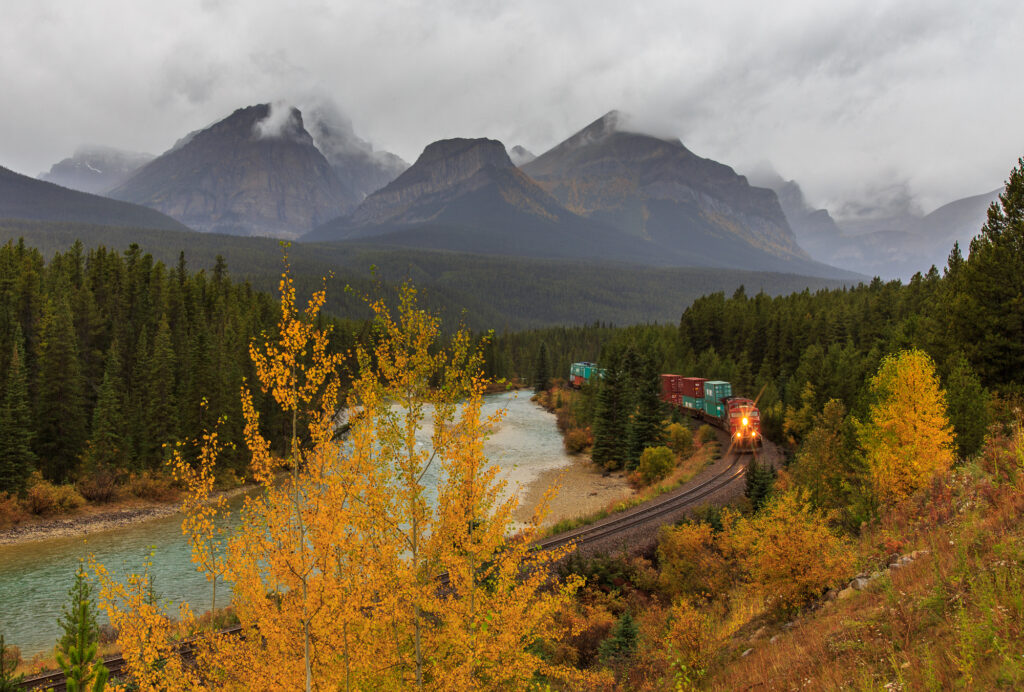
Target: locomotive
(713, 401)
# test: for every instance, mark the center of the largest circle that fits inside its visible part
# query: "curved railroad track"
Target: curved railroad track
(650, 514)
(654, 512)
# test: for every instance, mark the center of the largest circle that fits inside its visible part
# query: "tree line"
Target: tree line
(105, 357)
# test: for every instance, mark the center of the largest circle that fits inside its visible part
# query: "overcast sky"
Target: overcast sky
(856, 100)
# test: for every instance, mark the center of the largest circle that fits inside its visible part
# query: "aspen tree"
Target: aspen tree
(345, 574)
(907, 440)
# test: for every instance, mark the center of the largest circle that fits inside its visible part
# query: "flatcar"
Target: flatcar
(713, 401)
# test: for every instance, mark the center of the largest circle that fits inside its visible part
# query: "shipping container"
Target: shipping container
(693, 403)
(716, 390)
(693, 387)
(714, 408)
(671, 386)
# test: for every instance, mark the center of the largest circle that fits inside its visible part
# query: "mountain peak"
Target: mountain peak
(479, 152)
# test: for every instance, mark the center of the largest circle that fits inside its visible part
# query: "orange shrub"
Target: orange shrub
(152, 486)
(43, 497)
(11, 510)
(691, 563)
(577, 440)
(788, 552)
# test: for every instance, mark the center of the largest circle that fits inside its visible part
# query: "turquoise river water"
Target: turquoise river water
(35, 577)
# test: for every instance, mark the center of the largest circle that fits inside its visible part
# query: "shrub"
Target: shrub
(706, 433)
(99, 486)
(577, 440)
(656, 463)
(151, 486)
(11, 510)
(680, 438)
(692, 563)
(43, 497)
(789, 553)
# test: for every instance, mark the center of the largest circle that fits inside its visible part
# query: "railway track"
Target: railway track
(652, 513)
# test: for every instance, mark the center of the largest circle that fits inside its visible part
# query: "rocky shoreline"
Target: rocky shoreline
(78, 525)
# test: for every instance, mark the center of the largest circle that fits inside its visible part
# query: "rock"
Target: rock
(831, 594)
(859, 583)
(876, 575)
(789, 625)
(746, 653)
(757, 634)
(775, 638)
(892, 558)
(846, 593)
(905, 560)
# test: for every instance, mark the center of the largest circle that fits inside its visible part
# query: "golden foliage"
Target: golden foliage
(787, 551)
(345, 574)
(691, 563)
(907, 439)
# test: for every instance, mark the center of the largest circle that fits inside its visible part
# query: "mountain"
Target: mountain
(521, 155)
(658, 191)
(95, 169)
(892, 246)
(256, 172)
(22, 197)
(466, 195)
(360, 168)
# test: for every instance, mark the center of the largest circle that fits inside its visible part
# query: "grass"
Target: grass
(951, 619)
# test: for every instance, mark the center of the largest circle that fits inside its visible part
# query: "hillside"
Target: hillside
(495, 292)
(22, 197)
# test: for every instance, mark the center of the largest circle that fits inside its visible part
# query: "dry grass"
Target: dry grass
(952, 619)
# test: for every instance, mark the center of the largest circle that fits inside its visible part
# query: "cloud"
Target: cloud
(841, 96)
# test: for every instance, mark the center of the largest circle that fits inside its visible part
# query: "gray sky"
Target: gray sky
(856, 100)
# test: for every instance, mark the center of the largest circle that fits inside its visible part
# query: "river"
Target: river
(35, 577)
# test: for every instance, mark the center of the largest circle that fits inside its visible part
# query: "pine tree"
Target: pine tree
(989, 300)
(161, 406)
(60, 408)
(17, 460)
(108, 449)
(760, 481)
(611, 420)
(645, 429)
(968, 406)
(542, 370)
(622, 640)
(76, 651)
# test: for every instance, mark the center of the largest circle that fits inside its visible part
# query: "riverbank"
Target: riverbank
(94, 518)
(584, 488)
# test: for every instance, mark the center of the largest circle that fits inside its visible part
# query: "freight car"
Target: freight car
(713, 401)
(580, 373)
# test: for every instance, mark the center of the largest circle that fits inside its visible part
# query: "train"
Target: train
(713, 401)
(708, 400)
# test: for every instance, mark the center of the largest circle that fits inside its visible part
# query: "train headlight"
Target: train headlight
(745, 421)
(739, 435)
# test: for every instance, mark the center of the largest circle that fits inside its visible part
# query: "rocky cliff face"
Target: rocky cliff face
(445, 171)
(360, 168)
(257, 172)
(95, 169)
(658, 190)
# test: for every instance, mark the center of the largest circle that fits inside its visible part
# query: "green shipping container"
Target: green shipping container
(713, 408)
(716, 390)
(695, 404)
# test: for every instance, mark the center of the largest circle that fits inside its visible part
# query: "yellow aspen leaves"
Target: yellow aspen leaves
(907, 440)
(373, 562)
